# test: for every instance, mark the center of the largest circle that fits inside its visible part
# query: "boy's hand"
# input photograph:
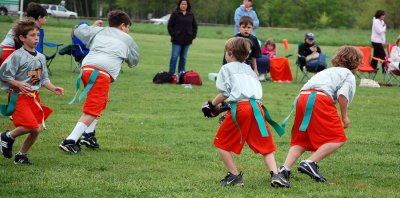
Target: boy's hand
(59, 91)
(24, 87)
(346, 121)
(209, 110)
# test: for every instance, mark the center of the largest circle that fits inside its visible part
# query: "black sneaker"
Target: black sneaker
(286, 174)
(70, 146)
(278, 180)
(6, 145)
(232, 180)
(312, 170)
(22, 159)
(221, 119)
(89, 140)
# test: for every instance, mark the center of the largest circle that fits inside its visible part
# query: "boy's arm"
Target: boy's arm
(57, 90)
(218, 99)
(133, 55)
(254, 63)
(343, 110)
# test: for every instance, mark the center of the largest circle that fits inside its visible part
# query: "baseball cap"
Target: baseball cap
(310, 36)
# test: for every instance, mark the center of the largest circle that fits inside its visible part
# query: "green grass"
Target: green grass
(155, 141)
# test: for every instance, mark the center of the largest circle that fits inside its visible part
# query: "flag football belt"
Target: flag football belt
(89, 85)
(309, 109)
(259, 118)
(8, 109)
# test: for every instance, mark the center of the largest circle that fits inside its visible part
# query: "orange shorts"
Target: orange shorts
(6, 52)
(28, 114)
(228, 136)
(325, 124)
(97, 97)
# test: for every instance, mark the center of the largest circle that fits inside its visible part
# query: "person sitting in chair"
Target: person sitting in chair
(310, 55)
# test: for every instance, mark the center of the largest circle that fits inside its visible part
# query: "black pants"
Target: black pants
(379, 52)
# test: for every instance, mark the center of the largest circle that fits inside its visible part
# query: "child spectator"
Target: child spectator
(22, 74)
(317, 126)
(239, 86)
(245, 30)
(37, 12)
(109, 47)
(269, 49)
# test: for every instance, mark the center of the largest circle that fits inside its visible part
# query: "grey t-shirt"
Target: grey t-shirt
(25, 67)
(109, 47)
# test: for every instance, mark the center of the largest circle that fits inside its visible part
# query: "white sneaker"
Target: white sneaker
(261, 77)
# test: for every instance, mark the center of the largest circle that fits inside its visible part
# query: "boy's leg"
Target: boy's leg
(277, 179)
(324, 151)
(29, 140)
(228, 160)
(234, 177)
(8, 138)
(71, 144)
(294, 153)
(270, 162)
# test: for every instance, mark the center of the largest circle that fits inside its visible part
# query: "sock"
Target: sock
(91, 127)
(309, 161)
(77, 132)
(20, 153)
(286, 168)
(8, 134)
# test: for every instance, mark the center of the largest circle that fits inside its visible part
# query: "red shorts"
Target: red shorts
(325, 125)
(97, 97)
(28, 114)
(6, 52)
(228, 136)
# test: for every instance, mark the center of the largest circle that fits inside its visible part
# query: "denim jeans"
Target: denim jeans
(317, 65)
(181, 51)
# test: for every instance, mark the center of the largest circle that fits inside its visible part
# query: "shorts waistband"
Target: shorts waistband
(89, 68)
(309, 92)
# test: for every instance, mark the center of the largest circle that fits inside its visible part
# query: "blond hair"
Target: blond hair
(239, 47)
(348, 57)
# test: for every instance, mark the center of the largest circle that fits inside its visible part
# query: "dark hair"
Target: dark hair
(379, 13)
(189, 7)
(118, 17)
(348, 57)
(270, 42)
(246, 20)
(35, 11)
(22, 28)
(239, 47)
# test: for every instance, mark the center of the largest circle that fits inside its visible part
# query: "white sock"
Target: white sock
(308, 161)
(91, 127)
(8, 134)
(77, 132)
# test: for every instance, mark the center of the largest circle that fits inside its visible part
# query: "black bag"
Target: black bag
(162, 77)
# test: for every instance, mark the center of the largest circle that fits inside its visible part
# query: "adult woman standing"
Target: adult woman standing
(246, 9)
(182, 27)
(378, 37)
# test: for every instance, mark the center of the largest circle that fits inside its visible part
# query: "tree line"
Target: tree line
(272, 13)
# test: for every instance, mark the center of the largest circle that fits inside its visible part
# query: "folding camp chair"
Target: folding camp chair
(390, 73)
(366, 70)
(5, 52)
(301, 67)
(77, 50)
(39, 48)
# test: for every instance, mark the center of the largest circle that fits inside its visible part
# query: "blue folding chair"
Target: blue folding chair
(39, 48)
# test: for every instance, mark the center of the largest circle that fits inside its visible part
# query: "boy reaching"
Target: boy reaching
(238, 84)
(317, 126)
(109, 47)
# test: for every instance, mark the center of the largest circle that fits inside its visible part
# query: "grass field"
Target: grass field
(155, 141)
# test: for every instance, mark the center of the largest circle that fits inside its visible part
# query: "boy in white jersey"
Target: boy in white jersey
(239, 86)
(317, 126)
(22, 74)
(109, 47)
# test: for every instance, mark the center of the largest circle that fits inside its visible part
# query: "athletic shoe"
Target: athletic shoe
(6, 145)
(89, 140)
(70, 146)
(312, 170)
(232, 180)
(286, 174)
(22, 159)
(278, 180)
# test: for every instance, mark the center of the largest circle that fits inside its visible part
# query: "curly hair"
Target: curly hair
(239, 47)
(22, 28)
(348, 57)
